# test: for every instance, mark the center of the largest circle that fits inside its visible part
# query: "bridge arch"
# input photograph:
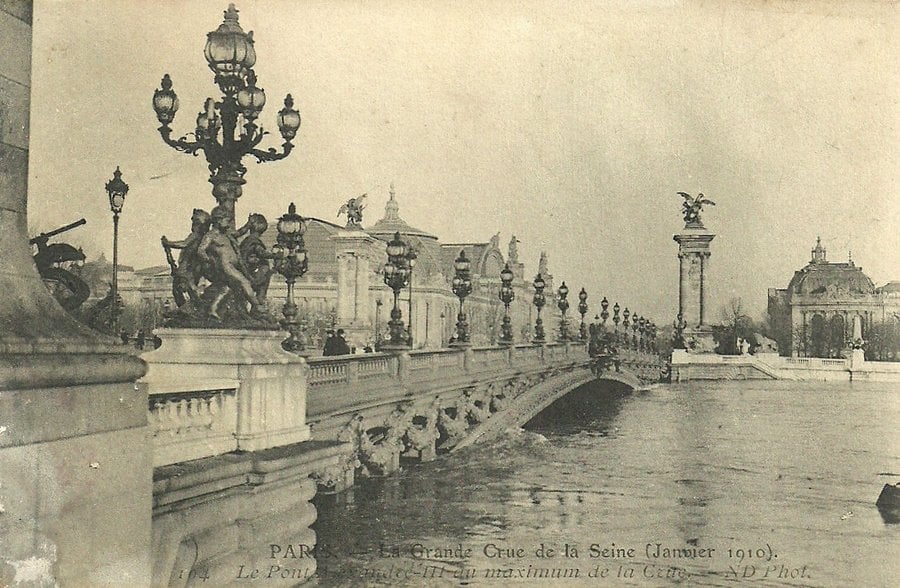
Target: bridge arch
(535, 399)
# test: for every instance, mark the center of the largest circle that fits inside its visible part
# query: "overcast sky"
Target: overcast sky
(571, 125)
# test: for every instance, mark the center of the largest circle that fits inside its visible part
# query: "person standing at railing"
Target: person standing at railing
(330, 338)
(340, 344)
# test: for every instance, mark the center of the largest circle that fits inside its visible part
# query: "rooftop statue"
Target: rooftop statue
(353, 209)
(513, 250)
(691, 208)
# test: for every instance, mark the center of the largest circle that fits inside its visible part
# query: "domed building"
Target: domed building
(813, 316)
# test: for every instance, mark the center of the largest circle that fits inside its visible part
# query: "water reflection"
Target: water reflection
(790, 465)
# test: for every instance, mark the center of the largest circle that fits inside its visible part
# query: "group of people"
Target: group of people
(335, 343)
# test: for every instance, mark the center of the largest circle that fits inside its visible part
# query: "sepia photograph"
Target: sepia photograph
(339, 293)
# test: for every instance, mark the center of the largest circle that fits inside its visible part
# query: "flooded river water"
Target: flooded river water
(700, 484)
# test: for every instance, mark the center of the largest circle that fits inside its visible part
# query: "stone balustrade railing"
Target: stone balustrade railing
(436, 360)
(198, 421)
(815, 362)
(194, 415)
(338, 384)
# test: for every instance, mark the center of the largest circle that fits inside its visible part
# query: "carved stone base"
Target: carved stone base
(270, 382)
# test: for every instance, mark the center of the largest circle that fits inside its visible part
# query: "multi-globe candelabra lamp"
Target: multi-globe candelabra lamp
(396, 276)
(462, 287)
(291, 262)
(563, 305)
(506, 296)
(582, 310)
(226, 129)
(539, 301)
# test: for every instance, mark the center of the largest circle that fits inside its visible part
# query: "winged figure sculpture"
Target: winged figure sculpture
(353, 209)
(692, 206)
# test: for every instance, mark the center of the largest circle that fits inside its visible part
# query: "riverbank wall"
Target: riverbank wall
(707, 366)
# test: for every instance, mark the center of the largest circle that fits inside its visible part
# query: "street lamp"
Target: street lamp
(291, 262)
(604, 312)
(563, 306)
(116, 189)
(582, 309)
(411, 257)
(396, 275)
(616, 320)
(635, 319)
(219, 133)
(462, 287)
(539, 301)
(506, 297)
(625, 324)
(642, 328)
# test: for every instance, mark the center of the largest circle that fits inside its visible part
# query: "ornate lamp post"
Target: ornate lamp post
(634, 330)
(563, 306)
(642, 328)
(291, 262)
(582, 310)
(411, 257)
(506, 297)
(539, 301)
(462, 287)
(226, 130)
(616, 320)
(116, 189)
(625, 324)
(396, 276)
(604, 312)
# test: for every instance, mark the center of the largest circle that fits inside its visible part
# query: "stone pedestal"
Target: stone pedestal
(693, 286)
(271, 392)
(357, 253)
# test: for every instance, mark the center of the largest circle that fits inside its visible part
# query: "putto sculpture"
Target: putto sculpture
(691, 208)
(353, 209)
(188, 272)
(236, 273)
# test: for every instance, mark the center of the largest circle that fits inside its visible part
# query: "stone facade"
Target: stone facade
(814, 315)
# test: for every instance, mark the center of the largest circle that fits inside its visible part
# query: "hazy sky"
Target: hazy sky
(571, 125)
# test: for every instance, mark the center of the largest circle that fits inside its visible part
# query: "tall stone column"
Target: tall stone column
(74, 452)
(693, 285)
(357, 252)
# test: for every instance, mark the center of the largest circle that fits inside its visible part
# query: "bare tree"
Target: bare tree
(736, 323)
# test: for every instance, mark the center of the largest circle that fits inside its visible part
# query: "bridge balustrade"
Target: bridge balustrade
(527, 355)
(422, 362)
(192, 423)
(495, 356)
(203, 419)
